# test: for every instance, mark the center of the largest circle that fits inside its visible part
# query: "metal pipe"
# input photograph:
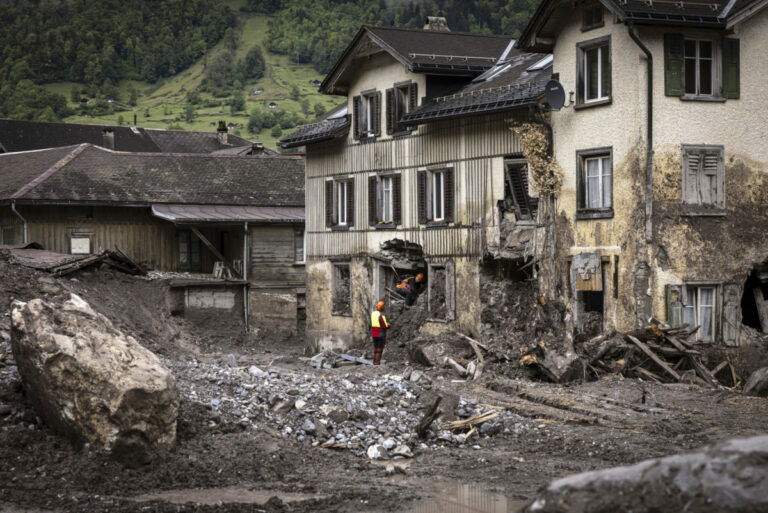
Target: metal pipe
(13, 208)
(245, 276)
(649, 152)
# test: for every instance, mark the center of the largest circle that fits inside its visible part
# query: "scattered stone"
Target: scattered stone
(5, 410)
(308, 426)
(388, 444)
(91, 382)
(403, 450)
(757, 384)
(376, 452)
(256, 372)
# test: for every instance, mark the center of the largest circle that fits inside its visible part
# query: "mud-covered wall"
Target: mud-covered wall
(466, 298)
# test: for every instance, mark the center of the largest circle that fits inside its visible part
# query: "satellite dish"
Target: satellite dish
(555, 94)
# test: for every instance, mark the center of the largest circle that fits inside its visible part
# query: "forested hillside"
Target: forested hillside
(317, 31)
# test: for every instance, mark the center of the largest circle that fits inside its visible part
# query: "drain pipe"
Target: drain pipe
(13, 208)
(245, 276)
(649, 153)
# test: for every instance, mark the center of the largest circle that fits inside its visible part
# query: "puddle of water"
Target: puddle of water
(214, 496)
(466, 498)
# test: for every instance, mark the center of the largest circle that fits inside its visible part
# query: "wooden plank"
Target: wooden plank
(429, 417)
(215, 251)
(703, 372)
(680, 344)
(647, 374)
(653, 357)
(720, 367)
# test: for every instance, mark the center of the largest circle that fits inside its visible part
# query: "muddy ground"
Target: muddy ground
(248, 456)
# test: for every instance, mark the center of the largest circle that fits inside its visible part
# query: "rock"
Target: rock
(376, 452)
(91, 382)
(299, 404)
(757, 384)
(731, 476)
(389, 443)
(256, 372)
(308, 426)
(559, 367)
(4, 336)
(403, 450)
(5, 410)
(231, 360)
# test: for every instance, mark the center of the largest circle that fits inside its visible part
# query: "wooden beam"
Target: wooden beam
(215, 251)
(653, 357)
(703, 372)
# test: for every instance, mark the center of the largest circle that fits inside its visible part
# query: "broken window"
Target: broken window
(340, 300)
(591, 16)
(754, 301)
(340, 203)
(441, 283)
(594, 71)
(299, 244)
(190, 257)
(436, 195)
(588, 279)
(695, 305)
(704, 176)
(367, 115)
(401, 100)
(595, 183)
(384, 203)
(517, 190)
(695, 67)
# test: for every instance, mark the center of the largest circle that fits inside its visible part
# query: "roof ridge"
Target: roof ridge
(456, 33)
(69, 157)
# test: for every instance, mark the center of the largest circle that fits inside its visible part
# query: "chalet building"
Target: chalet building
(417, 172)
(187, 213)
(664, 207)
(18, 135)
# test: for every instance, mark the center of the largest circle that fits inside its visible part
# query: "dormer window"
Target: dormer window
(401, 100)
(367, 115)
(591, 16)
(697, 67)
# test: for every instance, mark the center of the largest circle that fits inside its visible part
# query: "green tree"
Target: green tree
(120, 119)
(305, 106)
(189, 113)
(237, 103)
(74, 94)
(276, 131)
(320, 109)
(134, 97)
(295, 93)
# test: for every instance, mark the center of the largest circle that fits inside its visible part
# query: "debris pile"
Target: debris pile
(660, 353)
(61, 264)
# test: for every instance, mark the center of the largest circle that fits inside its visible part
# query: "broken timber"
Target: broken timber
(429, 417)
(356, 359)
(644, 348)
(215, 251)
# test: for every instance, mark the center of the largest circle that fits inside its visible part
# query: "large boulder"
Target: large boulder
(730, 477)
(757, 384)
(91, 382)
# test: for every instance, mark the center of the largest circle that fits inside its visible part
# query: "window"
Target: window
(517, 190)
(595, 183)
(436, 195)
(594, 71)
(189, 251)
(367, 115)
(695, 305)
(384, 195)
(591, 16)
(401, 100)
(339, 203)
(341, 303)
(704, 179)
(299, 245)
(80, 244)
(701, 67)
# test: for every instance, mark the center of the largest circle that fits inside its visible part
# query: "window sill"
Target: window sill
(299, 264)
(693, 98)
(385, 226)
(594, 214)
(367, 139)
(702, 212)
(436, 224)
(597, 103)
(336, 314)
(340, 228)
(402, 133)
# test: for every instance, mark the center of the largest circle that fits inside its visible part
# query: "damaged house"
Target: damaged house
(416, 173)
(663, 209)
(240, 217)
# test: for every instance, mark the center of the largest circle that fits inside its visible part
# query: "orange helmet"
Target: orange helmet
(420, 277)
(380, 306)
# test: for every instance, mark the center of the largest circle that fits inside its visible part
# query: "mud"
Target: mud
(239, 448)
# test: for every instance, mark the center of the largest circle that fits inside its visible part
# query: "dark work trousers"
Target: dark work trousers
(412, 294)
(378, 348)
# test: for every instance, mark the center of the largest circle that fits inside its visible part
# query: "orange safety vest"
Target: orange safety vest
(378, 321)
(406, 284)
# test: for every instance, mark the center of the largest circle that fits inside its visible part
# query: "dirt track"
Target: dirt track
(542, 432)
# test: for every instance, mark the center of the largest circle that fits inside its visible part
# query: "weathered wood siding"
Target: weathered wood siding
(272, 257)
(9, 221)
(474, 147)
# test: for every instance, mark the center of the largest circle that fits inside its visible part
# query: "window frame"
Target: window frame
(340, 201)
(592, 8)
(335, 275)
(384, 202)
(433, 195)
(718, 206)
(583, 210)
(696, 308)
(582, 74)
(296, 231)
(192, 240)
(715, 68)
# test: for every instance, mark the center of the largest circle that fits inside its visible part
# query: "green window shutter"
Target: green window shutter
(329, 203)
(390, 99)
(674, 305)
(372, 203)
(674, 65)
(397, 209)
(731, 80)
(421, 191)
(356, 108)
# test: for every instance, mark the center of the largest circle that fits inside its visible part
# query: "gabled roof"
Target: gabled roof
(333, 124)
(552, 14)
(421, 51)
(88, 174)
(20, 135)
(511, 84)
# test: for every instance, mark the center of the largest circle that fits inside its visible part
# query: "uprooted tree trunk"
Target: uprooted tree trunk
(91, 382)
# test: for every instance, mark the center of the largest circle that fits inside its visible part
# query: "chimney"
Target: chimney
(108, 138)
(221, 132)
(436, 24)
(257, 148)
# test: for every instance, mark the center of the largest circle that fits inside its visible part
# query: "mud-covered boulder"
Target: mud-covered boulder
(91, 382)
(757, 384)
(731, 477)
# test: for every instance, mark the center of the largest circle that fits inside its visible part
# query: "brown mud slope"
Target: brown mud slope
(244, 443)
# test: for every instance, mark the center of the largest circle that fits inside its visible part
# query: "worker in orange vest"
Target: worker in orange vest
(379, 325)
(411, 286)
